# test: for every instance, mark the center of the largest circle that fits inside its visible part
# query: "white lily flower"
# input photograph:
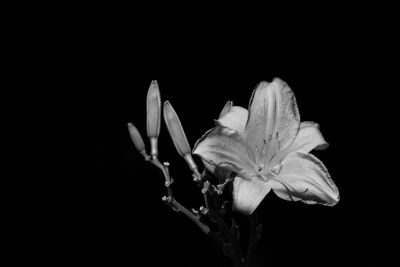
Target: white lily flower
(267, 147)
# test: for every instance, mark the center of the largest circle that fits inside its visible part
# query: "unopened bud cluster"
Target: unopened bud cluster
(153, 123)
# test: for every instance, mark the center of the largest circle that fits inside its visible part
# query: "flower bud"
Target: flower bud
(153, 116)
(178, 136)
(175, 129)
(137, 140)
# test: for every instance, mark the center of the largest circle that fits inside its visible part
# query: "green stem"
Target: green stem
(236, 255)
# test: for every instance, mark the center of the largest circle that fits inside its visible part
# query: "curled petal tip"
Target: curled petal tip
(322, 146)
(153, 115)
(226, 108)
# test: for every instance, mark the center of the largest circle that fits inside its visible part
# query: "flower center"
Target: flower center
(266, 174)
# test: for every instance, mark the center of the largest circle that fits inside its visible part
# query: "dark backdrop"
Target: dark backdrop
(77, 192)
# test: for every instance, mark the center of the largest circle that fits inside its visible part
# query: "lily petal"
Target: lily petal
(273, 120)
(308, 138)
(304, 177)
(234, 119)
(224, 147)
(247, 195)
(224, 110)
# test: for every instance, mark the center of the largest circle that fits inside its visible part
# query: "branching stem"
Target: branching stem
(172, 202)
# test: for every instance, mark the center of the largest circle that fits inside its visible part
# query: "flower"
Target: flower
(268, 148)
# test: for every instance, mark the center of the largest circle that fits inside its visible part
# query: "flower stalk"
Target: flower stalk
(230, 243)
(255, 235)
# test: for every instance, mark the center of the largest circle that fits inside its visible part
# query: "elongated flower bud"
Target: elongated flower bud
(178, 136)
(175, 129)
(153, 116)
(137, 140)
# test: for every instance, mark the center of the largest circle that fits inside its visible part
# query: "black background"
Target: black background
(77, 192)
